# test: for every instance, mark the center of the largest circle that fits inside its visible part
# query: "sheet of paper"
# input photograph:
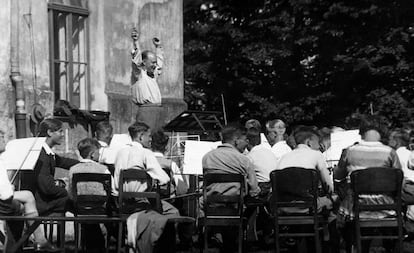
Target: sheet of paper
(340, 141)
(120, 140)
(193, 155)
(22, 154)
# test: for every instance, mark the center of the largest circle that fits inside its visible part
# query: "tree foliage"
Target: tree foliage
(305, 61)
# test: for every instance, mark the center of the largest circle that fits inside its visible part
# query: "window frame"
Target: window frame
(70, 11)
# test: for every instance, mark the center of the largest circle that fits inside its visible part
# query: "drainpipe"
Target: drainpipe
(15, 76)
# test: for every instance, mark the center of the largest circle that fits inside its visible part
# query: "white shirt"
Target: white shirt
(146, 90)
(403, 155)
(280, 148)
(6, 188)
(305, 157)
(47, 149)
(264, 162)
(264, 142)
(107, 154)
(136, 156)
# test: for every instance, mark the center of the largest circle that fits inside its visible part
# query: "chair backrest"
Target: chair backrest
(127, 197)
(223, 205)
(294, 187)
(165, 190)
(377, 180)
(91, 203)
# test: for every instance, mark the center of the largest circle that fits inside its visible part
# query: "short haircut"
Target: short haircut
(103, 129)
(136, 128)
(272, 123)
(229, 133)
(49, 124)
(87, 146)
(253, 123)
(401, 136)
(253, 135)
(159, 141)
(371, 122)
(303, 133)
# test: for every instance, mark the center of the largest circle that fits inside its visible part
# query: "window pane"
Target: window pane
(78, 38)
(61, 80)
(70, 80)
(79, 85)
(77, 3)
(60, 42)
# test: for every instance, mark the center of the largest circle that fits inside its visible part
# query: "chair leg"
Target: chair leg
(77, 234)
(317, 240)
(276, 226)
(241, 238)
(120, 232)
(358, 237)
(51, 225)
(107, 239)
(400, 235)
(205, 239)
(62, 234)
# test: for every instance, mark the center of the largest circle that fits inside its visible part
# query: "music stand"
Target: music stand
(22, 154)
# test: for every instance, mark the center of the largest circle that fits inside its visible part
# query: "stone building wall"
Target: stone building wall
(110, 24)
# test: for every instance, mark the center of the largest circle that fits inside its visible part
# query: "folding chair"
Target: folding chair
(377, 180)
(91, 205)
(223, 210)
(296, 188)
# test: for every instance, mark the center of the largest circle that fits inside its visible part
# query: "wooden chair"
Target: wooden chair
(223, 210)
(91, 205)
(165, 190)
(296, 188)
(128, 200)
(377, 180)
(125, 197)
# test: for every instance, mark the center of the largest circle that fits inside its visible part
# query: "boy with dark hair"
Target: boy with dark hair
(138, 155)
(228, 158)
(89, 150)
(49, 196)
(104, 133)
(307, 155)
(17, 202)
(262, 158)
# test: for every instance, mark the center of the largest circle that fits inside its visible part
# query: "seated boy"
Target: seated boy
(18, 202)
(89, 151)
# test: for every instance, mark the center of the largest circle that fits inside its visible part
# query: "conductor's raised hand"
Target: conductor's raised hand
(156, 42)
(134, 34)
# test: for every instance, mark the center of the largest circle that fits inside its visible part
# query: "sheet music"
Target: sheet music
(22, 154)
(193, 155)
(340, 141)
(120, 140)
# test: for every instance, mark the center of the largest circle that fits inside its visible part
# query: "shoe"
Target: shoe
(45, 247)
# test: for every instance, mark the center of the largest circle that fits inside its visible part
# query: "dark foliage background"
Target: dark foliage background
(316, 62)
